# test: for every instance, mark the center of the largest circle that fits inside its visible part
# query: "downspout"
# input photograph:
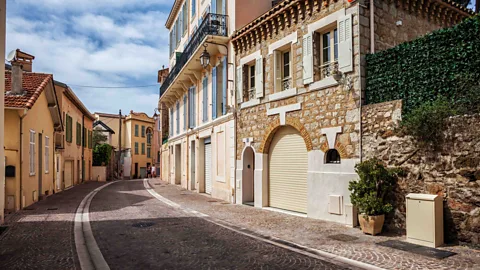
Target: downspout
(372, 26)
(21, 157)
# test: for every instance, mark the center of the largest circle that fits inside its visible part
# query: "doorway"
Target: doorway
(208, 165)
(178, 164)
(192, 166)
(248, 175)
(136, 171)
(40, 168)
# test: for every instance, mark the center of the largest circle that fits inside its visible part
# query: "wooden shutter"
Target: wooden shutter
(277, 72)
(307, 59)
(259, 77)
(224, 85)
(345, 47)
(214, 91)
(239, 85)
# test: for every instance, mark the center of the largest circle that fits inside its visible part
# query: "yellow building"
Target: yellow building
(139, 135)
(32, 117)
(136, 135)
(73, 157)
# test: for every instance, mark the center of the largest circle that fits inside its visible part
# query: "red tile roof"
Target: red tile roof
(33, 84)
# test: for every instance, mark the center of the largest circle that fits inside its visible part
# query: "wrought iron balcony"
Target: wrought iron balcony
(212, 24)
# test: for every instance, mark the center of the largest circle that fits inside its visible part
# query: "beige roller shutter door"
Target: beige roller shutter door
(288, 171)
(68, 174)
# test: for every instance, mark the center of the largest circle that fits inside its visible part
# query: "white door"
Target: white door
(208, 168)
(68, 174)
(288, 171)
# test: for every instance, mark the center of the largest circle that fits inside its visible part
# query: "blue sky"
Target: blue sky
(95, 42)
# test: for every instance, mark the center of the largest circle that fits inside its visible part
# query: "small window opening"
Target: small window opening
(333, 157)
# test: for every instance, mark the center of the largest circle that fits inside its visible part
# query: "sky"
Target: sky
(95, 43)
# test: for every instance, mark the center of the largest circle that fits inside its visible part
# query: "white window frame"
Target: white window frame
(47, 154)
(32, 152)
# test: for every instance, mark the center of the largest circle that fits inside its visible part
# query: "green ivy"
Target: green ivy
(102, 154)
(419, 71)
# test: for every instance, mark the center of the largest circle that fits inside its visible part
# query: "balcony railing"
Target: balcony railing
(212, 24)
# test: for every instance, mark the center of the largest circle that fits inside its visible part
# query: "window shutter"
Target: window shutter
(307, 59)
(259, 77)
(345, 47)
(224, 86)
(277, 72)
(185, 112)
(214, 92)
(205, 99)
(239, 85)
(214, 7)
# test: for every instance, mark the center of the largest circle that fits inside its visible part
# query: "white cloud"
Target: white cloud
(93, 5)
(123, 47)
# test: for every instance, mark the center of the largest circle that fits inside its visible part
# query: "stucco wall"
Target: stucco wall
(141, 120)
(99, 173)
(12, 154)
(452, 170)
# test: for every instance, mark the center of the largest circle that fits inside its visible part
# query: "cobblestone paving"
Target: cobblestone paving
(176, 240)
(41, 238)
(315, 233)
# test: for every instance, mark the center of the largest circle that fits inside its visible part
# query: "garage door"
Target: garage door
(68, 174)
(288, 171)
(208, 167)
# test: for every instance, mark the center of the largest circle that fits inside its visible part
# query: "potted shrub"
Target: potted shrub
(369, 194)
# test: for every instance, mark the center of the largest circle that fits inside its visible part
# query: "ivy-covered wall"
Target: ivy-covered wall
(442, 63)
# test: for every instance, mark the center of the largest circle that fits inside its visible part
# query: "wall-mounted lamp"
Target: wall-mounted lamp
(205, 58)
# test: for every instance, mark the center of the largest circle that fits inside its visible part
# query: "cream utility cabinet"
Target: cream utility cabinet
(425, 219)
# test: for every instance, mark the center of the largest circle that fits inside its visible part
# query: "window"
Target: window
(328, 52)
(194, 7)
(143, 148)
(136, 130)
(283, 79)
(149, 138)
(251, 77)
(171, 122)
(332, 157)
(47, 153)
(178, 26)
(136, 148)
(286, 80)
(79, 134)
(149, 152)
(143, 131)
(32, 152)
(68, 121)
(185, 18)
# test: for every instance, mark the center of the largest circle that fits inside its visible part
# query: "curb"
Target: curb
(89, 254)
(315, 253)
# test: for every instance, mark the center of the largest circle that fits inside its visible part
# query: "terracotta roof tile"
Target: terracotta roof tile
(33, 84)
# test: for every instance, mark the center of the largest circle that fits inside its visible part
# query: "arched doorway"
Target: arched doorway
(248, 183)
(288, 165)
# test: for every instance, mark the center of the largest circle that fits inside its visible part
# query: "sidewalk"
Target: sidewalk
(42, 237)
(316, 234)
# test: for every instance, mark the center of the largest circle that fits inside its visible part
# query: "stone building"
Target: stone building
(299, 88)
(199, 95)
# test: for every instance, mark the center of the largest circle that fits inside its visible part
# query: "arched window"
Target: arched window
(332, 157)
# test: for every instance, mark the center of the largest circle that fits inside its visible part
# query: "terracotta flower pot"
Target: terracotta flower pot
(371, 224)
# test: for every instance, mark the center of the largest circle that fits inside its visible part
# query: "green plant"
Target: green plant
(98, 138)
(438, 64)
(102, 154)
(427, 122)
(369, 193)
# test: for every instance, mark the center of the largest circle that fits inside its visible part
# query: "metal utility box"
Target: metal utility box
(425, 219)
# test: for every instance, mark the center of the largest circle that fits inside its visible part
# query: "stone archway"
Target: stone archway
(273, 128)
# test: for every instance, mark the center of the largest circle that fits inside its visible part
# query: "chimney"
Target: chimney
(17, 78)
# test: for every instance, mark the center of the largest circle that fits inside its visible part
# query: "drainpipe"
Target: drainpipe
(21, 157)
(83, 148)
(372, 26)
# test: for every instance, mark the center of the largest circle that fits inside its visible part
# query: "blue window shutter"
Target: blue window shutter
(194, 6)
(178, 118)
(224, 86)
(171, 121)
(214, 7)
(194, 113)
(205, 99)
(214, 92)
(185, 112)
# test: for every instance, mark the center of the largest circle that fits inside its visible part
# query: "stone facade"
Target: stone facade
(452, 171)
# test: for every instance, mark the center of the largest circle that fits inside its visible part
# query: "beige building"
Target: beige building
(3, 16)
(32, 118)
(73, 155)
(299, 88)
(199, 95)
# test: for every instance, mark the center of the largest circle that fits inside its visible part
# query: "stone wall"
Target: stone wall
(452, 171)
